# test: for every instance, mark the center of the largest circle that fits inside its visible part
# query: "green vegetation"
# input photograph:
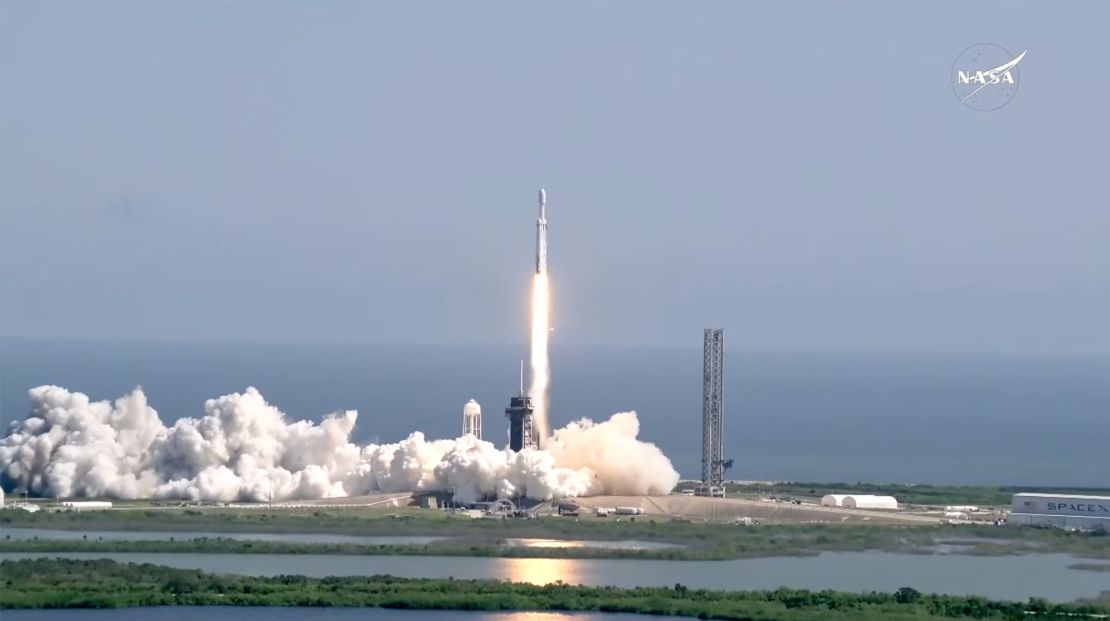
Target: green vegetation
(106, 584)
(332, 520)
(696, 542)
(932, 495)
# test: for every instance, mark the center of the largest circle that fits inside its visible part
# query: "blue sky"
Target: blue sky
(799, 174)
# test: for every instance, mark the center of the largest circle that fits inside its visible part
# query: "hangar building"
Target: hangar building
(859, 501)
(1062, 511)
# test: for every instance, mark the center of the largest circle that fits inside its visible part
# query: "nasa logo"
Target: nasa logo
(985, 76)
(992, 77)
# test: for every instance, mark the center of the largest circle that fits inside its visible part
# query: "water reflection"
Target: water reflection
(627, 544)
(541, 571)
(1008, 577)
(546, 543)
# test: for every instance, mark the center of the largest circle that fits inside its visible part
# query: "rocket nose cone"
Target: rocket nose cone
(543, 197)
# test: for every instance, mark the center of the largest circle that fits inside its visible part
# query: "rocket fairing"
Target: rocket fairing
(541, 235)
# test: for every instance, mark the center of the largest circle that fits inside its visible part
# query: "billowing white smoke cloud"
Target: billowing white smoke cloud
(243, 448)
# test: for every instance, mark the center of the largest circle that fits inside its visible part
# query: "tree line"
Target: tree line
(67, 583)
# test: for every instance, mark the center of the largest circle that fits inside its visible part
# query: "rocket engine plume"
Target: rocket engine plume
(541, 373)
(541, 309)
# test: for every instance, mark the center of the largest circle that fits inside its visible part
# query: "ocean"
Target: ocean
(876, 417)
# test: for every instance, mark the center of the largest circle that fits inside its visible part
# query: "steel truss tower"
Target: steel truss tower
(713, 464)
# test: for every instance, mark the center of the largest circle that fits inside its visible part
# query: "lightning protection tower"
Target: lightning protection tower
(713, 464)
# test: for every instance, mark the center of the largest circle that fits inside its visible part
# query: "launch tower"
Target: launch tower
(520, 410)
(713, 463)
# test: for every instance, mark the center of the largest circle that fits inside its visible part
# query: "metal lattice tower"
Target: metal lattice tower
(712, 408)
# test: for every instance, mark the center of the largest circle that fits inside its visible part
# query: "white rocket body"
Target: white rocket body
(541, 236)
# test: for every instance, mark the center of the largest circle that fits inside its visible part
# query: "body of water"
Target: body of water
(804, 417)
(23, 534)
(998, 577)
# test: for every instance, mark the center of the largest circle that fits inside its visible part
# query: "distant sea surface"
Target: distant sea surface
(901, 418)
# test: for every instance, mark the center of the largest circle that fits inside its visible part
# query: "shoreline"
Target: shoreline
(713, 542)
(56, 583)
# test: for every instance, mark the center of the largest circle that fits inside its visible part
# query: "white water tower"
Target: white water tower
(472, 419)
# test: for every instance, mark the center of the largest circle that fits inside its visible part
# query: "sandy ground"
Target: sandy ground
(692, 508)
(727, 509)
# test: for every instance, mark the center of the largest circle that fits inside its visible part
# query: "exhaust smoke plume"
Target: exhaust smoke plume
(541, 373)
(244, 449)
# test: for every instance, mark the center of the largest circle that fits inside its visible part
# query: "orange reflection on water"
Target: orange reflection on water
(547, 543)
(541, 571)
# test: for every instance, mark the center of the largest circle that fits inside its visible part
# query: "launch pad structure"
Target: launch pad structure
(713, 463)
(522, 434)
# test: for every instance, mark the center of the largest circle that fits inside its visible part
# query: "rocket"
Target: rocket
(541, 235)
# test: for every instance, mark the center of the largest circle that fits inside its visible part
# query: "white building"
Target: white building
(85, 505)
(859, 501)
(1062, 511)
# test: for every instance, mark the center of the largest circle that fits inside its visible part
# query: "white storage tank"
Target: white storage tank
(859, 501)
(629, 511)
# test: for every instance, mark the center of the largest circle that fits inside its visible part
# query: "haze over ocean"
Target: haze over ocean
(879, 417)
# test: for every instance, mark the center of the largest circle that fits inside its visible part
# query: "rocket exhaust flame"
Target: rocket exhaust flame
(541, 374)
(541, 308)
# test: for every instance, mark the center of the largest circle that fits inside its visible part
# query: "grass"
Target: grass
(468, 537)
(59, 583)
